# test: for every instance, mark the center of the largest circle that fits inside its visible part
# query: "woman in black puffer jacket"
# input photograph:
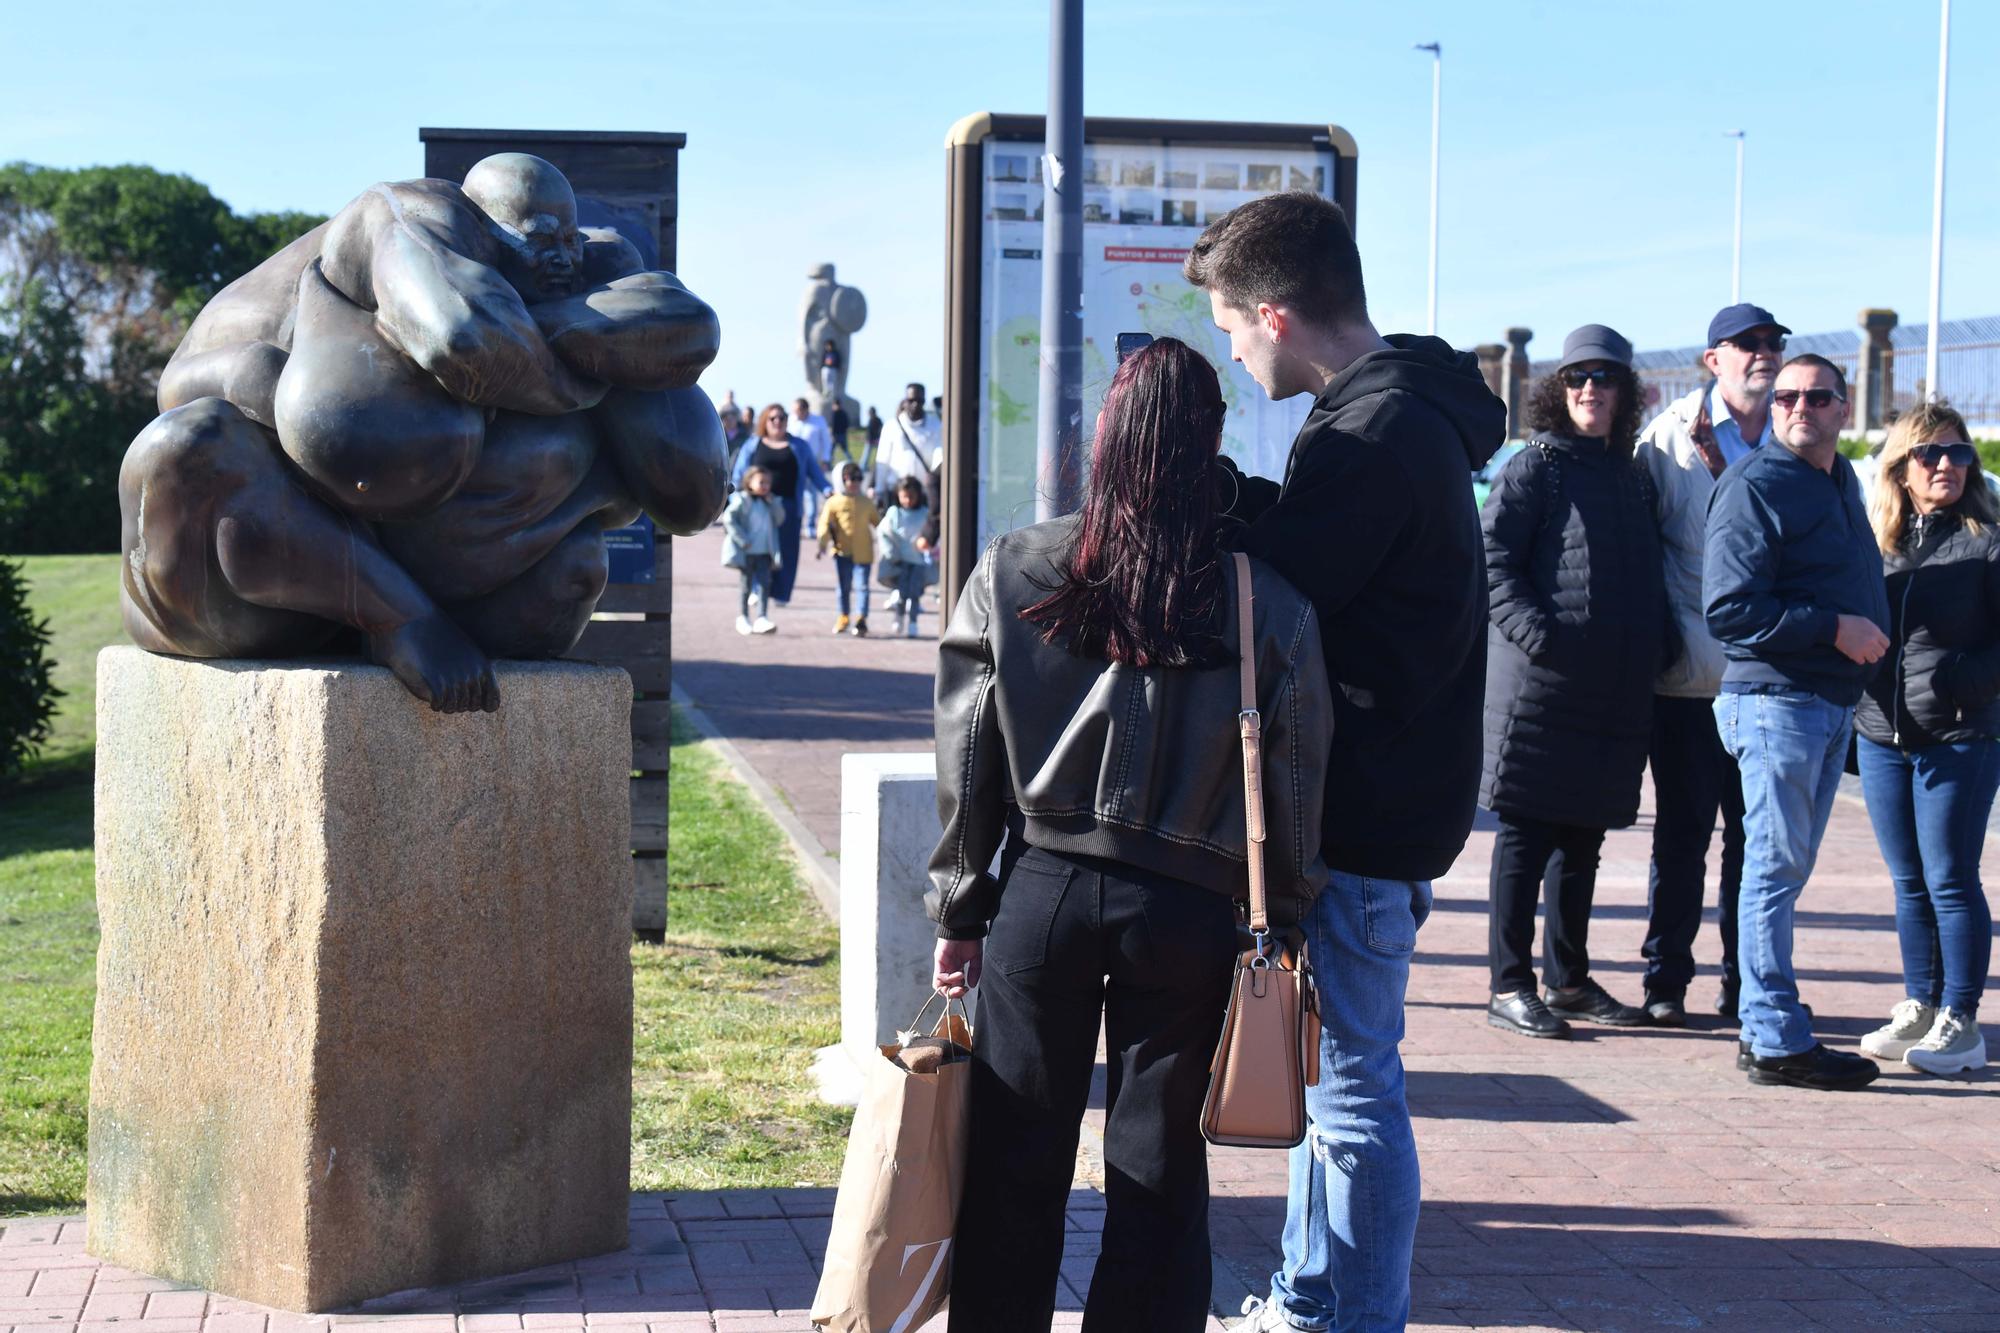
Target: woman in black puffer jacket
(1579, 616)
(1930, 762)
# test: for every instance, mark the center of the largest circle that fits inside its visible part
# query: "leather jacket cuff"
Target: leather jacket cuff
(977, 932)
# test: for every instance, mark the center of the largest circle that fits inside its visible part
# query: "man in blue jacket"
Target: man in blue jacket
(1792, 589)
(1375, 525)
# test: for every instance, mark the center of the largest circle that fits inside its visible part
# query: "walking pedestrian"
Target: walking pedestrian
(906, 568)
(1930, 732)
(1124, 846)
(847, 524)
(1375, 525)
(795, 473)
(1793, 585)
(751, 546)
(838, 425)
(1685, 449)
(1578, 618)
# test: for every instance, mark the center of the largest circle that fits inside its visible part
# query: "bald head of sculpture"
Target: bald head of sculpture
(534, 212)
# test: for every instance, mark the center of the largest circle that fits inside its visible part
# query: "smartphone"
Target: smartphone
(1129, 343)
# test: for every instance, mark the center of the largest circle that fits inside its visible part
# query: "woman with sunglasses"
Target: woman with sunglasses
(792, 468)
(1930, 732)
(1579, 620)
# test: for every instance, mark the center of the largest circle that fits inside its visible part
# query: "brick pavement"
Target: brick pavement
(1625, 1180)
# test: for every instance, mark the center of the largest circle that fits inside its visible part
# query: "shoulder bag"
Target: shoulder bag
(1269, 1051)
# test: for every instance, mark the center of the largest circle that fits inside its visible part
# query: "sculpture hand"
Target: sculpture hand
(439, 664)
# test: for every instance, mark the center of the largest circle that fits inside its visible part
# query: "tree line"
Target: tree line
(101, 270)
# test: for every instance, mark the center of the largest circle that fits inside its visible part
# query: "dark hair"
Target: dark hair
(1815, 359)
(1293, 249)
(911, 486)
(1142, 584)
(850, 472)
(1548, 409)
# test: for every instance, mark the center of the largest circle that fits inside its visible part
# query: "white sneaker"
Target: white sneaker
(1908, 1022)
(763, 626)
(1264, 1316)
(1952, 1046)
(743, 624)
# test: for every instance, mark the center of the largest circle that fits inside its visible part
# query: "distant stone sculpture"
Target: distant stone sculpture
(408, 430)
(829, 313)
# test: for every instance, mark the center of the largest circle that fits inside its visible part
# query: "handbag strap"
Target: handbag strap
(1250, 723)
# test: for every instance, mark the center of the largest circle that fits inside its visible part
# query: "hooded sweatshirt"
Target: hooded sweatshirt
(1375, 525)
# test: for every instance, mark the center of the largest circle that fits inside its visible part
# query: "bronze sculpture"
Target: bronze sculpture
(412, 426)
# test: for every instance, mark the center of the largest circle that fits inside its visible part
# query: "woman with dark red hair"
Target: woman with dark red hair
(792, 468)
(1087, 700)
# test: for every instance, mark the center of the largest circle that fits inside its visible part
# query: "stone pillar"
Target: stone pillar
(888, 829)
(1493, 366)
(364, 1001)
(1516, 395)
(1874, 382)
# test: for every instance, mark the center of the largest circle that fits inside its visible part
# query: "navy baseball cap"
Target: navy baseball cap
(1735, 319)
(1596, 342)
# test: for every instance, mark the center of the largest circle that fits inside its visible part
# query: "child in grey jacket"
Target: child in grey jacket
(905, 569)
(750, 546)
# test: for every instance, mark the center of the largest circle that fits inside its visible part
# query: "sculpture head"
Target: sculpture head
(534, 214)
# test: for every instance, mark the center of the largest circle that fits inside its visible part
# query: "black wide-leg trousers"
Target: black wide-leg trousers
(1075, 939)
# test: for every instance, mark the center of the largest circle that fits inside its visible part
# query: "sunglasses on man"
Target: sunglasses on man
(1576, 377)
(1817, 399)
(1934, 455)
(1774, 343)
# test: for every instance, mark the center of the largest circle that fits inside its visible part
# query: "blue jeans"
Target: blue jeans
(1929, 808)
(907, 578)
(1351, 1211)
(1790, 747)
(853, 582)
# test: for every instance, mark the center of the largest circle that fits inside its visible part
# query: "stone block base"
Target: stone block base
(364, 1004)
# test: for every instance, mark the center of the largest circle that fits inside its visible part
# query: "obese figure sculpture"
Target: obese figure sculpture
(413, 425)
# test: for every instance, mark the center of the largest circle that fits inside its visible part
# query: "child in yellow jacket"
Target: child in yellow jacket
(847, 523)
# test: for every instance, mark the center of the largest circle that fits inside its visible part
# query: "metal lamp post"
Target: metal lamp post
(1059, 399)
(1937, 210)
(1437, 91)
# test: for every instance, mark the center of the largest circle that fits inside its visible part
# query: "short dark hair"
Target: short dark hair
(1293, 249)
(1814, 359)
(911, 486)
(850, 472)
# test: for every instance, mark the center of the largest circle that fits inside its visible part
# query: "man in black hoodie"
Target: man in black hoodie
(1375, 524)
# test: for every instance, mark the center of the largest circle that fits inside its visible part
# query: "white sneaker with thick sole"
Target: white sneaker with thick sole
(1264, 1316)
(1909, 1022)
(1952, 1046)
(763, 625)
(743, 624)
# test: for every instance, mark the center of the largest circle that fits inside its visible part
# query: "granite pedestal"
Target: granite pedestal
(364, 1005)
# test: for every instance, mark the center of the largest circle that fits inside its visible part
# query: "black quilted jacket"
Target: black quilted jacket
(1940, 684)
(1579, 620)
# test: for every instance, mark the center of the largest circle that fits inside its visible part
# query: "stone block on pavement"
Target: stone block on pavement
(888, 829)
(364, 1007)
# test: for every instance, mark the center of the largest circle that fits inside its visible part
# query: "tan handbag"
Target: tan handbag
(1269, 1051)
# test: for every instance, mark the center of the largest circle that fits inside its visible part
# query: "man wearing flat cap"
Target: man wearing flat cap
(1686, 448)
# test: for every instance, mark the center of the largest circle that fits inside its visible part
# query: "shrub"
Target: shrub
(27, 695)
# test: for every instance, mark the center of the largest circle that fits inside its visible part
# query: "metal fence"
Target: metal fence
(1968, 366)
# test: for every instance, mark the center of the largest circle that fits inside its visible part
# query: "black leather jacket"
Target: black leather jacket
(1940, 683)
(1135, 764)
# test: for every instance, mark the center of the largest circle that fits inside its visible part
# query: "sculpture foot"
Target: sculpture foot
(439, 664)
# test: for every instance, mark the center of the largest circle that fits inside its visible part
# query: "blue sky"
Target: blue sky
(1586, 178)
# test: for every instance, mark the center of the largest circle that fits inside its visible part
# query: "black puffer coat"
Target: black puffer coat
(1579, 621)
(1940, 684)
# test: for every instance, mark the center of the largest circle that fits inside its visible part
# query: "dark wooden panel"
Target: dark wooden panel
(649, 814)
(649, 893)
(652, 735)
(623, 642)
(656, 597)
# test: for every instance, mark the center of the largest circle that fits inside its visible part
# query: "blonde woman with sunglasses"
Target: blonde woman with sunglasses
(1930, 732)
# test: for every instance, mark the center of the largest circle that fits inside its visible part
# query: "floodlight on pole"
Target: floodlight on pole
(1937, 210)
(1736, 251)
(1437, 90)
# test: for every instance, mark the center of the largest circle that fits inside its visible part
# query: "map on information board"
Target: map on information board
(1144, 205)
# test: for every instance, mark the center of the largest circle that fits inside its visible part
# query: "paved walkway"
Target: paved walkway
(1626, 1180)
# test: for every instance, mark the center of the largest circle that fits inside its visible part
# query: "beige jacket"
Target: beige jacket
(1684, 484)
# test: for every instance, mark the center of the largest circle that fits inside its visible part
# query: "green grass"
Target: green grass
(733, 1004)
(728, 1010)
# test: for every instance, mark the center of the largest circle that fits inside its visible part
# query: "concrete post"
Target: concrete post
(1874, 387)
(888, 828)
(1515, 394)
(1492, 365)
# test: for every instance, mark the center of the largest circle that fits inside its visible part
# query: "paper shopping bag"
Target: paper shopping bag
(888, 1258)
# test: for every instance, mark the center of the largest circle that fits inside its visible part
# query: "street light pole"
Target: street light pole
(1937, 211)
(1736, 252)
(1437, 92)
(1059, 399)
